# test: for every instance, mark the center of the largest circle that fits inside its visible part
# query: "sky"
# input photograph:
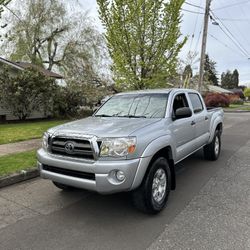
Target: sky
(233, 19)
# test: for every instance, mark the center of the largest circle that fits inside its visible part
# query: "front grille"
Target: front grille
(68, 172)
(78, 148)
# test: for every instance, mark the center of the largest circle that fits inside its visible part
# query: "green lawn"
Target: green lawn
(245, 106)
(24, 131)
(14, 163)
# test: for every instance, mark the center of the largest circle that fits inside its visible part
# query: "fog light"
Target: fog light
(120, 175)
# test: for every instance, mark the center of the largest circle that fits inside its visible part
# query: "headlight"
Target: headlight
(118, 147)
(45, 143)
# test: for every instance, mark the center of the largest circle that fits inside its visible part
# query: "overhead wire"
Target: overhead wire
(215, 38)
(196, 21)
(235, 19)
(231, 5)
(238, 29)
(194, 5)
(229, 34)
(191, 11)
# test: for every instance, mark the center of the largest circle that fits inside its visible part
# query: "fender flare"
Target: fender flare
(151, 150)
(214, 127)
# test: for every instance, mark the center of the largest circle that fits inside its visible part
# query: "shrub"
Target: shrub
(67, 102)
(216, 100)
(235, 99)
(240, 94)
(26, 91)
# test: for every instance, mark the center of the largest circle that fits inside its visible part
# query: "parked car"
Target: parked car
(132, 143)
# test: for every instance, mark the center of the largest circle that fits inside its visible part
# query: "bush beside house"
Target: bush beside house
(216, 100)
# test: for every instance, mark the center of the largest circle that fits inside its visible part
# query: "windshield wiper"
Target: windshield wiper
(134, 116)
(103, 115)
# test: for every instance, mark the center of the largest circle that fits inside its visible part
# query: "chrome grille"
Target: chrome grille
(72, 147)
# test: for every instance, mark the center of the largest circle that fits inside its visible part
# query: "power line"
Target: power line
(197, 42)
(215, 38)
(235, 19)
(196, 21)
(232, 35)
(231, 5)
(194, 12)
(13, 13)
(191, 4)
(238, 29)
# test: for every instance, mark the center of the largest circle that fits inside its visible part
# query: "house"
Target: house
(217, 89)
(5, 114)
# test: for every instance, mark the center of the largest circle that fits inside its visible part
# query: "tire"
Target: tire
(212, 150)
(149, 197)
(63, 187)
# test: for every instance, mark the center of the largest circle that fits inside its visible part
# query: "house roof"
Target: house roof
(25, 65)
(218, 89)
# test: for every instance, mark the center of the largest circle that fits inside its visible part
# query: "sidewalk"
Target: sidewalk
(19, 147)
(219, 217)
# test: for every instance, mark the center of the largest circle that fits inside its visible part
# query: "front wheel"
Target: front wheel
(151, 197)
(212, 150)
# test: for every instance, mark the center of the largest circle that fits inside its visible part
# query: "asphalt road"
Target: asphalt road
(36, 215)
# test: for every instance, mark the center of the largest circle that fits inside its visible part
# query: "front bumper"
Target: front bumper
(104, 181)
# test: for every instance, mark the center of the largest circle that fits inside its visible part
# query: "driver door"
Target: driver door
(183, 129)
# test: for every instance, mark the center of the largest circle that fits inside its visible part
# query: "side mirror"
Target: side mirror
(183, 113)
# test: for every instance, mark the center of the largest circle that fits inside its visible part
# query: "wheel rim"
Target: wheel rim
(217, 145)
(159, 185)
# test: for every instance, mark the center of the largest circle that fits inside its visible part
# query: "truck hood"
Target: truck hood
(104, 126)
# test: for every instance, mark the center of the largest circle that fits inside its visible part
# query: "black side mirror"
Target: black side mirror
(183, 113)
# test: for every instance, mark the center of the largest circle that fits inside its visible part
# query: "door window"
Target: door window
(180, 101)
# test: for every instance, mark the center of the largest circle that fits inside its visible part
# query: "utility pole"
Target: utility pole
(204, 44)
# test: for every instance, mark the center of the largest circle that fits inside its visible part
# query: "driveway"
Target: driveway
(210, 209)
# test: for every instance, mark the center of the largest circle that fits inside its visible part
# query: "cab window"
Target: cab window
(196, 102)
(180, 101)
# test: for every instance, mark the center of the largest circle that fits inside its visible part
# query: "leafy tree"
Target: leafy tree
(247, 93)
(187, 75)
(226, 79)
(143, 38)
(46, 34)
(25, 92)
(230, 80)
(235, 78)
(188, 72)
(210, 73)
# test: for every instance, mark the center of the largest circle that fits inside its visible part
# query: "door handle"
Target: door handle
(193, 123)
(206, 118)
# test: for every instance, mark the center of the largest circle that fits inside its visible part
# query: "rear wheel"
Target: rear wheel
(151, 197)
(212, 150)
(63, 186)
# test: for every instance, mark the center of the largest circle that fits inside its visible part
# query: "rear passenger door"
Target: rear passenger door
(183, 130)
(200, 118)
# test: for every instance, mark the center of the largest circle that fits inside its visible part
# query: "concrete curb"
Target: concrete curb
(236, 111)
(19, 177)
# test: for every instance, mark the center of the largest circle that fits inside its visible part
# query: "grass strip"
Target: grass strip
(14, 163)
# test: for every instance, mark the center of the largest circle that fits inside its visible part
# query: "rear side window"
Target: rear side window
(196, 102)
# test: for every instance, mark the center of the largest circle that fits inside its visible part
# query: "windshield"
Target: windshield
(135, 105)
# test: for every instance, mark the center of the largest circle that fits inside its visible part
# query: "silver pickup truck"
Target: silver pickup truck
(132, 143)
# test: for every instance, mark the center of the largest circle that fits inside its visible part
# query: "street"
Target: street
(205, 211)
